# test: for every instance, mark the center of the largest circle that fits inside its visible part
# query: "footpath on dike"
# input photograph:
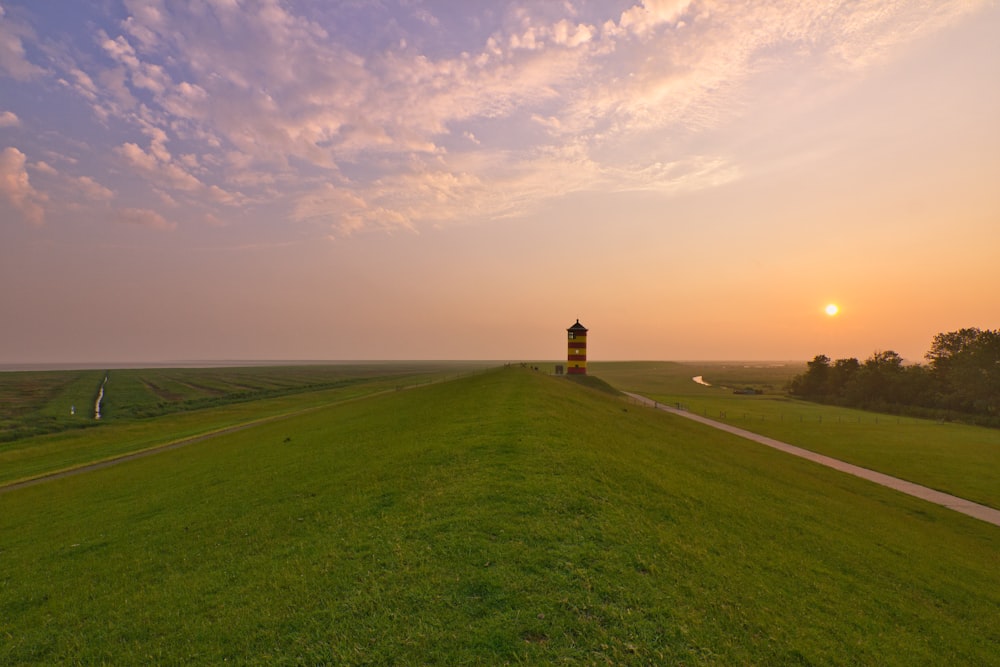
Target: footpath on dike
(981, 512)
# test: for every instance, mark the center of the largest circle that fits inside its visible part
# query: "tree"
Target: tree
(947, 346)
(966, 368)
(812, 383)
(879, 379)
(963, 376)
(843, 373)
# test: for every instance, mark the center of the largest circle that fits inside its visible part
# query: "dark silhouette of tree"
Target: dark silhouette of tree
(842, 375)
(879, 378)
(813, 383)
(961, 378)
(966, 369)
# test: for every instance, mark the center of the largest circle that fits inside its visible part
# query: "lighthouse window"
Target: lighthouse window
(572, 335)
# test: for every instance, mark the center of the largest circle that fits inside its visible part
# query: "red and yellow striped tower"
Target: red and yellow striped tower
(576, 359)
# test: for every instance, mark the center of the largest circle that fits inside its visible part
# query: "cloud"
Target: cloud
(138, 158)
(9, 119)
(143, 75)
(346, 212)
(83, 84)
(16, 189)
(148, 18)
(81, 185)
(43, 167)
(157, 165)
(93, 190)
(213, 220)
(687, 175)
(13, 58)
(394, 129)
(141, 217)
(489, 186)
(117, 99)
(648, 15)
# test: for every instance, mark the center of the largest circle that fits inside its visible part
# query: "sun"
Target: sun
(832, 309)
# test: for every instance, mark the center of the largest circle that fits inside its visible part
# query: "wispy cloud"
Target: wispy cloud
(14, 61)
(92, 190)
(43, 167)
(142, 217)
(9, 119)
(237, 103)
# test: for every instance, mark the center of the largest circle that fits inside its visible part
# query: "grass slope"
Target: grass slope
(504, 518)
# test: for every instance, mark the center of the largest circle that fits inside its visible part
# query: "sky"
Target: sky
(408, 179)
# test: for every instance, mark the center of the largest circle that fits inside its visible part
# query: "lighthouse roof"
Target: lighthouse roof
(577, 327)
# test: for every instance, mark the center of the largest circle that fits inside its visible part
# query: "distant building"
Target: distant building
(576, 359)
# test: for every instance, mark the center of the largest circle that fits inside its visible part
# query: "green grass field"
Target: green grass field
(34, 402)
(955, 458)
(38, 402)
(259, 393)
(504, 518)
(152, 392)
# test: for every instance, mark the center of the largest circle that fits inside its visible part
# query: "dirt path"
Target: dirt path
(982, 512)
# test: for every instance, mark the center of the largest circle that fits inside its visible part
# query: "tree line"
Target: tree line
(960, 381)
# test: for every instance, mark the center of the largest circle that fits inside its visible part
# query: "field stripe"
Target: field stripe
(981, 512)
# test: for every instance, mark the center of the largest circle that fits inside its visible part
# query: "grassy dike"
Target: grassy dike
(508, 517)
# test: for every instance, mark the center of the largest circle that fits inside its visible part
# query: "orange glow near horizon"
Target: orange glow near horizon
(683, 181)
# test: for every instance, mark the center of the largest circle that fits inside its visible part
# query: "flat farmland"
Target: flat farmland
(954, 458)
(152, 392)
(34, 402)
(145, 408)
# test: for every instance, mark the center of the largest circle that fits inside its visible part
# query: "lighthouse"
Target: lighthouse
(576, 358)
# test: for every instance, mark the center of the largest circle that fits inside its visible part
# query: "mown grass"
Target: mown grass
(504, 518)
(955, 458)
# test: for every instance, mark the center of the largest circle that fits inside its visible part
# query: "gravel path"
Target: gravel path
(976, 510)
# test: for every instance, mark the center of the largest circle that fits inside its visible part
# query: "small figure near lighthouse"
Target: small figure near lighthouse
(576, 358)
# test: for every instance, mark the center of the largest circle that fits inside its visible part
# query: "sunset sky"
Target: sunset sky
(303, 179)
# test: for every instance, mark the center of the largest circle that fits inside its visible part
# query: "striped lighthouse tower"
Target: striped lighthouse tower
(576, 358)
